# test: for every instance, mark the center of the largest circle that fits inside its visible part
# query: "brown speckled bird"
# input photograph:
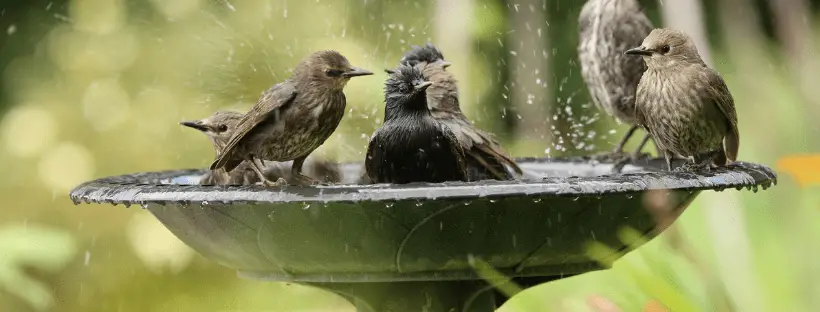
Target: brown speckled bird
(607, 28)
(294, 117)
(411, 145)
(684, 104)
(218, 128)
(485, 158)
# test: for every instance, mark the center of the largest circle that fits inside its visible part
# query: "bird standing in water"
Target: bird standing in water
(607, 28)
(219, 127)
(411, 145)
(293, 118)
(684, 104)
(485, 159)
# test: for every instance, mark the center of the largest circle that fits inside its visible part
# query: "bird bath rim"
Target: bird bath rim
(644, 175)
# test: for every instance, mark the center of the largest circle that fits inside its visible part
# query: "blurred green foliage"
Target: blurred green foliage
(96, 87)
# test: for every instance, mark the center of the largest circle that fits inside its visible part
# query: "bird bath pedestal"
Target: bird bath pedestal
(409, 247)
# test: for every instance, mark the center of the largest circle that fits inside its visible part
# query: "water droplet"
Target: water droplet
(305, 206)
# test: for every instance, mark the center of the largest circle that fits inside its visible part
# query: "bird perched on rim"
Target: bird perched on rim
(218, 128)
(685, 105)
(319, 169)
(411, 145)
(292, 118)
(485, 158)
(607, 28)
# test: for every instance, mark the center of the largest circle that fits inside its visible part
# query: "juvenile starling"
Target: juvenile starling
(218, 128)
(684, 104)
(607, 28)
(293, 118)
(411, 145)
(484, 157)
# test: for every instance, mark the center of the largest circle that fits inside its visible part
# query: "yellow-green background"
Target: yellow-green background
(94, 88)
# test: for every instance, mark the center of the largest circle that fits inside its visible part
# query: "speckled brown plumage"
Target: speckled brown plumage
(607, 28)
(294, 117)
(218, 128)
(683, 103)
(485, 158)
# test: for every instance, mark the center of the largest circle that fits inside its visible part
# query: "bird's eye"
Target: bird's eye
(665, 49)
(222, 128)
(334, 72)
(403, 88)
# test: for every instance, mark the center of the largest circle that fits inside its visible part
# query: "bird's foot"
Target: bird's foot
(694, 167)
(612, 156)
(279, 182)
(627, 159)
(302, 179)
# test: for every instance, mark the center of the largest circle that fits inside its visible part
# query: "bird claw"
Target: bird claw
(693, 167)
(302, 179)
(610, 157)
(279, 182)
(625, 159)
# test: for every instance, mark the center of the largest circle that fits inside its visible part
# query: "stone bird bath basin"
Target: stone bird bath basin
(408, 247)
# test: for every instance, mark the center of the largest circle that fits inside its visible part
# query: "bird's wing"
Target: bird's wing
(455, 149)
(722, 98)
(269, 103)
(375, 154)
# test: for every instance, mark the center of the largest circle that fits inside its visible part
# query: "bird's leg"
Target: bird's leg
(700, 162)
(258, 167)
(620, 164)
(620, 147)
(618, 152)
(668, 156)
(637, 154)
(296, 172)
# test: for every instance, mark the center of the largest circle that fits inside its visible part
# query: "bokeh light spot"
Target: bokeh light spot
(156, 246)
(106, 104)
(27, 130)
(65, 166)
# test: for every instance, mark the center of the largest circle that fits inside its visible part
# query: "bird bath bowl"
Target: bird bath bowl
(408, 247)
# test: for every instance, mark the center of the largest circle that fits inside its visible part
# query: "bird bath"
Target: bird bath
(408, 247)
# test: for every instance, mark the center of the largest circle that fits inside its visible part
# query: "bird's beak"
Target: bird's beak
(355, 71)
(422, 86)
(445, 64)
(389, 71)
(639, 51)
(197, 124)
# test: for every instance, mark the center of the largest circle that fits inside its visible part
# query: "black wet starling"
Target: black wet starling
(293, 118)
(607, 28)
(684, 104)
(411, 145)
(484, 156)
(219, 127)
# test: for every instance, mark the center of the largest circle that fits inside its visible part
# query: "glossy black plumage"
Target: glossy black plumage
(485, 158)
(411, 145)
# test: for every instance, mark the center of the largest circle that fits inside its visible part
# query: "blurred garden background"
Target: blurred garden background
(93, 88)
